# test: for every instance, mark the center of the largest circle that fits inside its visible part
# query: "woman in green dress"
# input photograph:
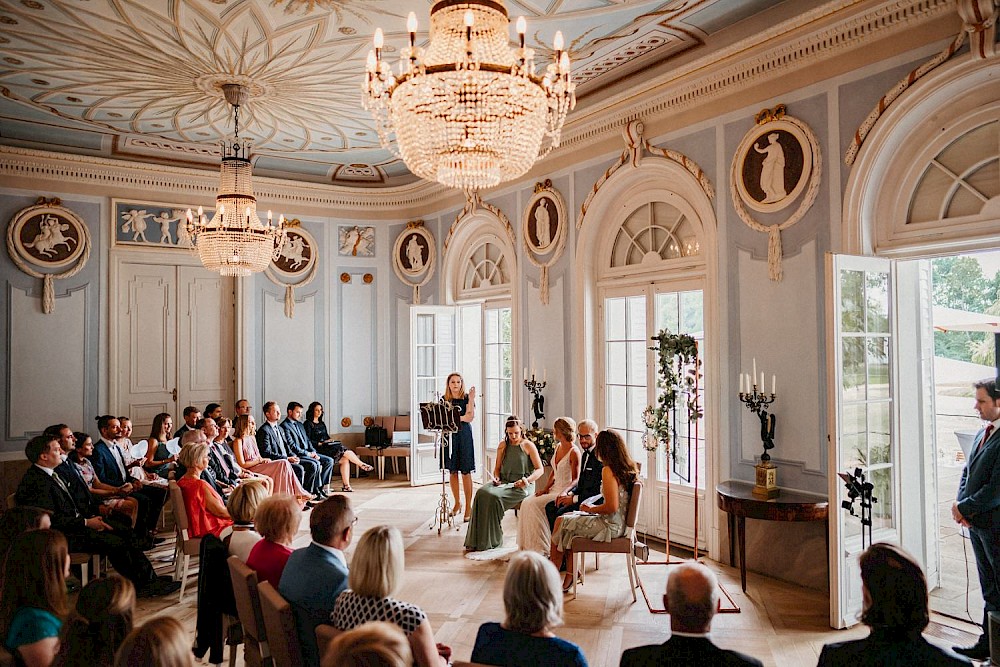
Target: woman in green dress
(518, 466)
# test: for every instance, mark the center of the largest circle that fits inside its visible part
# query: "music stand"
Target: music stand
(444, 419)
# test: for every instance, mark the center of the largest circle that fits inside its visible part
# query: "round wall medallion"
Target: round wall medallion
(345, 422)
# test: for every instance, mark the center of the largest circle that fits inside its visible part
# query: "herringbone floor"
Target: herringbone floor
(782, 624)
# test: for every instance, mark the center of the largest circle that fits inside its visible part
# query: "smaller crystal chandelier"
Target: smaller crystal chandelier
(468, 111)
(235, 242)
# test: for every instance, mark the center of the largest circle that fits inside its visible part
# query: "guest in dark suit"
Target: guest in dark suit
(109, 464)
(191, 417)
(42, 487)
(895, 608)
(589, 484)
(692, 599)
(977, 508)
(298, 441)
(271, 443)
(315, 575)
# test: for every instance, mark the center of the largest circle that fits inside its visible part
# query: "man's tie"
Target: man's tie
(119, 459)
(222, 459)
(986, 436)
(61, 484)
(281, 440)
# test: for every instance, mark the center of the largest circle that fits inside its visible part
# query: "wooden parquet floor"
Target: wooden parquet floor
(782, 624)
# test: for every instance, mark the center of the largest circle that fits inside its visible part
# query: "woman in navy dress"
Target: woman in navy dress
(462, 457)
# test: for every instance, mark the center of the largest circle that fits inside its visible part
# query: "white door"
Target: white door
(877, 311)
(173, 341)
(443, 339)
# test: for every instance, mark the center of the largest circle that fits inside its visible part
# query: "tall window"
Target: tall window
(498, 394)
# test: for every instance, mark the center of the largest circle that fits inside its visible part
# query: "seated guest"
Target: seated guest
(206, 512)
(159, 459)
(248, 457)
(518, 466)
(191, 417)
(277, 521)
(895, 608)
(375, 577)
(99, 623)
(134, 455)
(114, 498)
(222, 460)
(271, 443)
(33, 604)
(299, 444)
(534, 606)
(533, 531)
(315, 575)
(587, 485)
(242, 506)
(42, 487)
(159, 642)
(213, 411)
(14, 522)
(692, 598)
(320, 439)
(375, 644)
(600, 519)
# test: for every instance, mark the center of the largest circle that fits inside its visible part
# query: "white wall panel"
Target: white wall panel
(358, 339)
(289, 351)
(46, 361)
(545, 328)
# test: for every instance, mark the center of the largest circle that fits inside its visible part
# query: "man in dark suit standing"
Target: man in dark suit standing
(42, 487)
(977, 508)
(589, 483)
(318, 572)
(692, 599)
(299, 444)
(109, 463)
(271, 443)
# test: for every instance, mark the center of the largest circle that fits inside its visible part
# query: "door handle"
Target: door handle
(173, 395)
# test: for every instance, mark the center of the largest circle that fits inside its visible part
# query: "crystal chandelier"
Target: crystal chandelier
(468, 111)
(235, 242)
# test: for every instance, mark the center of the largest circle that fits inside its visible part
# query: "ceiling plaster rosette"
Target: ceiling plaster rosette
(414, 257)
(543, 229)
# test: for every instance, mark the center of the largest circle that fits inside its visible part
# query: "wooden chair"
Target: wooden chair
(399, 424)
(79, 558)
(619, 545)
(325, 634)
(186, 546)
(255, 648)
(279, 620)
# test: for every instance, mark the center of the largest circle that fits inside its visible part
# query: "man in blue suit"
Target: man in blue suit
(271, 443)
(299, 444)
(692, 598)
(109, 463)
(315, 575)
(977, 508)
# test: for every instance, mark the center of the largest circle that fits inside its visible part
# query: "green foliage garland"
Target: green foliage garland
(678, 373)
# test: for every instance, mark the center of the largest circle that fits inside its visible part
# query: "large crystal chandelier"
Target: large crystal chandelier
(235, 242)
(469, 111)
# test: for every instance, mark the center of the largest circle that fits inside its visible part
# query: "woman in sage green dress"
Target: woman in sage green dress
(518, 466)
(600, 518)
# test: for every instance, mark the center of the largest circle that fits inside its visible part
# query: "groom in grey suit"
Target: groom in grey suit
(315, 575)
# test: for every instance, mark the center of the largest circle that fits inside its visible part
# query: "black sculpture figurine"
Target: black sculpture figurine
(538, 407)
(766, 432)
(538, 403)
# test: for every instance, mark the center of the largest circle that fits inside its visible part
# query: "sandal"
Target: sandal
(455, 510)
(366, 467)
(347, 488)
(567, 582)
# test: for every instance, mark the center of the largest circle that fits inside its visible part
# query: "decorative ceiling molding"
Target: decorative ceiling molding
(752, 61)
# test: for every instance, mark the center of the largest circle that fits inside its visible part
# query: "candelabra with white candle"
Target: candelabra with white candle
(757, 401)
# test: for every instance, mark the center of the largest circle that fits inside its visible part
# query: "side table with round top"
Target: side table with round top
(737, 500)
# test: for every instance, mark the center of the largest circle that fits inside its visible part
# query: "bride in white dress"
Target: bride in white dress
(533, 532)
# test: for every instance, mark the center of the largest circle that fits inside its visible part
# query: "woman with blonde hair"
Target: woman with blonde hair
(159, 642)
(206, 511)
(517, 467)
(99, 623)
(534, 606)
(375, 644)
(603, 517)
(242, 505)
(533, 532)
(461, 457)
(248, 457)
(277, 520)
(376, 573)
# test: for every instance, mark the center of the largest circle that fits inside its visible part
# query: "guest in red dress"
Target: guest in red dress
(206, 512)
(277, 520)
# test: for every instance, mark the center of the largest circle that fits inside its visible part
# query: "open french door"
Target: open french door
(880, 355)
(443, 339)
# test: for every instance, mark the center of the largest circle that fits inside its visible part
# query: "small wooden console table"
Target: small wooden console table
(737, 500)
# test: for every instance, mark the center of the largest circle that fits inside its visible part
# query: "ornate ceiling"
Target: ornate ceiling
(140, 79)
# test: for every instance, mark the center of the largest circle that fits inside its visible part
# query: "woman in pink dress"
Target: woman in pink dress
(248, 457)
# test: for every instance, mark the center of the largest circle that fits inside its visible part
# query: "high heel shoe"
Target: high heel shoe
(567, 582)
(456, 509)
